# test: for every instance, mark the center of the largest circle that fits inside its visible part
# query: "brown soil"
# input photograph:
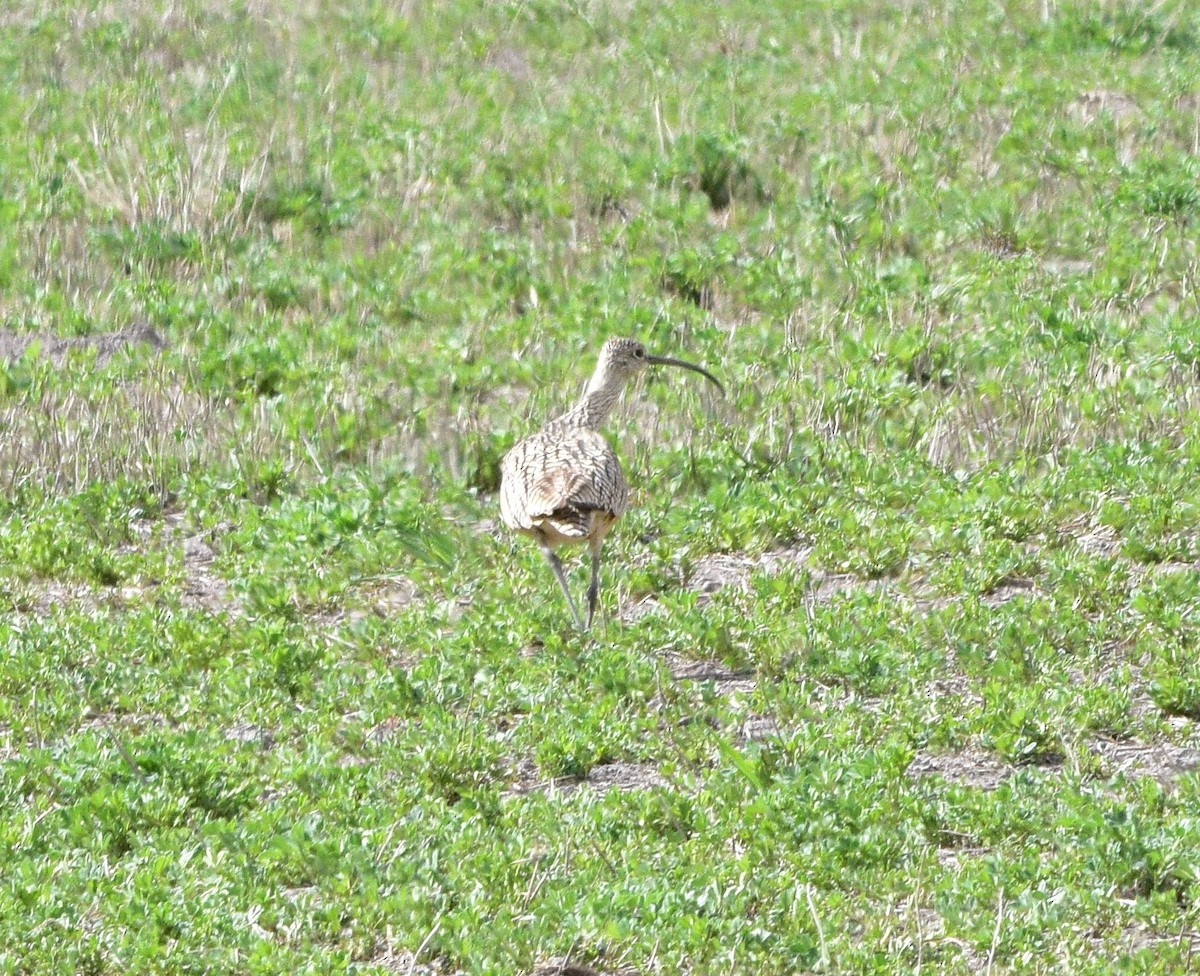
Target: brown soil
(1091, 105)
(1163, 761)
(620, 776)
(14, 345)
(727, 680)
(968, 768)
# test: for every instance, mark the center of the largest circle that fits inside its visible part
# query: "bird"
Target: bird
(564, 485)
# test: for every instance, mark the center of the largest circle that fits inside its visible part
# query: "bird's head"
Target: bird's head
(622, 359)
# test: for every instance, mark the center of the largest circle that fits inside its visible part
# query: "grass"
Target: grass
(898, 664)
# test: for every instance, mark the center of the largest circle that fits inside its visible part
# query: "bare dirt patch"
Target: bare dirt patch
(925, 927)
(563, 967)
(956, 686)
(730, 570)
(14, 345)
(1166, 569)
(40, 599)
(759, 728)
(631, 611)
(624, 776)
(718, 572)
(1105, 542)
(1066, 267)
(510, 61)
(971, 767)
(975, 768)
(620, 776)
(723, 571)
(1007, 590)
(1138, 938)
(249, 733)
(203, 589)
(952, 858)
(1163, 761)
(395, 594)
(726, 679)
(1092, 105)
(405, 964)
(1101, 541)
(1134, 938)
(93, 721)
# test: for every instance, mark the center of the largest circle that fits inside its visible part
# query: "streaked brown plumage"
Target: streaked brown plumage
(564, 484)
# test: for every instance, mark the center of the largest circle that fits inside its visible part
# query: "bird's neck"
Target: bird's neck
(596, 403)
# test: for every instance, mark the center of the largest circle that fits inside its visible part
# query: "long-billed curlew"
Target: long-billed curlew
(564, 484)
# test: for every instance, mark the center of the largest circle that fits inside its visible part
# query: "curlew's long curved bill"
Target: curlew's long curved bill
(670, 361)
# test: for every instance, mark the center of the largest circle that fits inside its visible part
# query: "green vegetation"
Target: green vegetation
(899, 669)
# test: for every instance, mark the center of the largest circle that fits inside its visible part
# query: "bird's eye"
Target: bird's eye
(639, 353)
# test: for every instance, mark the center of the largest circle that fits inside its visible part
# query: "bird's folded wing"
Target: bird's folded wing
(562, 487)
(578, 471)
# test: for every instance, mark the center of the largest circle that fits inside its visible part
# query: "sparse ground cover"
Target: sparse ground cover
(898, 670)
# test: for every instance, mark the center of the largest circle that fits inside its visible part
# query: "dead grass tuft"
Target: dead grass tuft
(149, 430)
(190, 186)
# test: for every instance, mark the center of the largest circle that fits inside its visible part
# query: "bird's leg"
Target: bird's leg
(593, 593)
(557, 566)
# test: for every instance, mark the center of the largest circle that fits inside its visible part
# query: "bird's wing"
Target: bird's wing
(555, 474)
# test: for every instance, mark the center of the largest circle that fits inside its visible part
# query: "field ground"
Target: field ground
(898, 666)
